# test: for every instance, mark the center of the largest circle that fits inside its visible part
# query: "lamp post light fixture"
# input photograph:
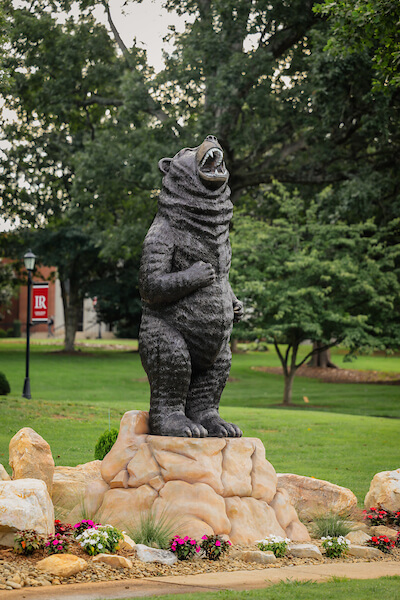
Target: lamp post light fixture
(29, 262)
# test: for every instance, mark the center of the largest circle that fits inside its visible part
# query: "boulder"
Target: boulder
(31, 458)
(148, 555)
(209, 486)
(24, 504)
(364, 552)
(358, 537)
(254, 556)
(384, 491)
(127, 543)
(114, 560)
(312, 497)
(69, 484)
(387, 531)
(4, 476)
(62, 565)
(304, 551)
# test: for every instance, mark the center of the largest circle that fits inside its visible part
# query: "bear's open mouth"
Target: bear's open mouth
(212, 164)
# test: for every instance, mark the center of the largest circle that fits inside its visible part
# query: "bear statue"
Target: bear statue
(188, 304)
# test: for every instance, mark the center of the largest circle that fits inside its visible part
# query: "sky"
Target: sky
(148, 22)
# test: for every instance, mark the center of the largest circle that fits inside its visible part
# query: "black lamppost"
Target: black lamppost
(29, 261)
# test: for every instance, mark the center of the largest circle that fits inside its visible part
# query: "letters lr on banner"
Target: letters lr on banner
(40, 302)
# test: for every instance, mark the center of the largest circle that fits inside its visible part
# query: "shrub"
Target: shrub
(184, 548)
(57, 544)
(104, 444)
(27, 541)
(382, 543)
(152, 530)
(103, 538)
(274, 543)
(81, 526)
(376, 516)
(332, 525)
(335, 546)
(214, 546)
(4, 385)
(63, 529)
(395, 518)
(17, 328)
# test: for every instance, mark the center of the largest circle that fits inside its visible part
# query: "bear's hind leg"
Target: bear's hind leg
(205, 391)
(166, 360)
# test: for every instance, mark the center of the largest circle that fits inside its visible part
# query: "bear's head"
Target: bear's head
(204, 163)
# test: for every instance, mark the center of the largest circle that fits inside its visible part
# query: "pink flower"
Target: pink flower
(197, 549)
(193, 542)
(205, 537)
(217, 543)
(185, 539)
(55, 542)
(181, 542)
(229, 543)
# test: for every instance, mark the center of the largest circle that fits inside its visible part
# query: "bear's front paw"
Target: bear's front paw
(176, 424)
(238, 311)
(204, 273)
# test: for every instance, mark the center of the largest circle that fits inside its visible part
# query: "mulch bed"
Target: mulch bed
(12, 564)
(338, 375)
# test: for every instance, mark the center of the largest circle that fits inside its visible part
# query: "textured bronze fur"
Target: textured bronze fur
(188, 303)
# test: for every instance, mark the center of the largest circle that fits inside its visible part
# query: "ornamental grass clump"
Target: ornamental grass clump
(331, 524)
(335, 547)
(382, 542)
(100, 539)
(154, 530)
(57, 544)
(27, 541)
(184, 547)
(274, 543)
(214, 546)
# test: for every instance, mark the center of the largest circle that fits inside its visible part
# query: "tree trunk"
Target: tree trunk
(71, 304)
(321, 358)
(234, 345)
(287, 393)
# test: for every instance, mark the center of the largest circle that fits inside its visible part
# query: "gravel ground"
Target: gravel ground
(19, 571)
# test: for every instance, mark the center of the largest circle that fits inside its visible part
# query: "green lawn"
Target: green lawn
(340, 435)
(356, 589)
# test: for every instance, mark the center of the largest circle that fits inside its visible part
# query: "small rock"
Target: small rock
(14, 585)
(148, 555)
(388, 531)
(254, 556)
(304, 551)
(114, 560)
(364, 552)
(127, 543)
(62, 565)
(357, 537)
(55, 582)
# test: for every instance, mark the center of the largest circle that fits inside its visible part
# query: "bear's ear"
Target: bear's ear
(164, 165)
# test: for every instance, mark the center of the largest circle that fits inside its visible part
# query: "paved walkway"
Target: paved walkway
(204, 582)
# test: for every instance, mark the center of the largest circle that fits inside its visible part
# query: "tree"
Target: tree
(301, 279)
(371, 26)
(7, 286)
(94, 119)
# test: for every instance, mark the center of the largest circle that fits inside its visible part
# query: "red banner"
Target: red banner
(40, 302)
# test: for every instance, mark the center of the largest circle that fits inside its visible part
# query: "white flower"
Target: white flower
(100, 546)
(330, 544)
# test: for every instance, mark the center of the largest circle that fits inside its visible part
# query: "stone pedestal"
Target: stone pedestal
(207, 485)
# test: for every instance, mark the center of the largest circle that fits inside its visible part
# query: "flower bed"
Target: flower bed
(22, 569)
